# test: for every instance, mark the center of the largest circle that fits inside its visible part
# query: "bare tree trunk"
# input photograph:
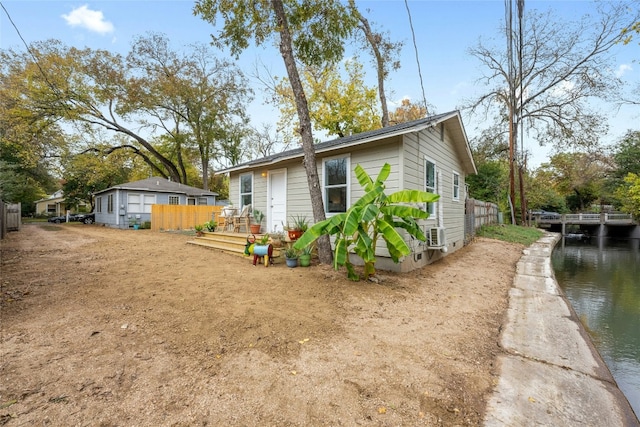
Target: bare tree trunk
(373, 40)
(286, 50)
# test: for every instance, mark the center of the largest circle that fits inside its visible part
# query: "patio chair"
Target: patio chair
(242, 219)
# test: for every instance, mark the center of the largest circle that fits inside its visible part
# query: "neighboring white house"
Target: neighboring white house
(431, 154)
(123, 204)
(53, 205)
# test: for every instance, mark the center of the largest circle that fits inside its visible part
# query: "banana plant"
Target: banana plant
(374, 216)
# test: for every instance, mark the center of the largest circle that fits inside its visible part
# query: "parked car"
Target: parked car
(63, 218)
(87, 218)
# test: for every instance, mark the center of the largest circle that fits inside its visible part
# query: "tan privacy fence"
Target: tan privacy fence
(180, 217)
(477, 214)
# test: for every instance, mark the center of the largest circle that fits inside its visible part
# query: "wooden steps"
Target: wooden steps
(233, 243)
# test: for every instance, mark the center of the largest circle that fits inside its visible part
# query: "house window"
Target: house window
(191, 201)
(99, 204)
(246, 189)
(51, 208)
(110, 203)
(134, 203)
(148, 200)
(456, 186)
(430, 183)
(336, 184)
(174, 200)
(202, 201)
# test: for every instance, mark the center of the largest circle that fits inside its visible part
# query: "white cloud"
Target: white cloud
(622, 70)
(92, 20)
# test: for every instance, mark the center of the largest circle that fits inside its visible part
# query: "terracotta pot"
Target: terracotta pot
(294, 234)
(255, 228)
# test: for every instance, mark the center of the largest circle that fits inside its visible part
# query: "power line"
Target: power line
(415, 47)
(35, 59)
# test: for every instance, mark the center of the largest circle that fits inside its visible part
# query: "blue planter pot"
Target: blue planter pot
(291, 262)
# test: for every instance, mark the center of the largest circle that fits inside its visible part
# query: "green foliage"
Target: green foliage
(336, 107)
(318, 27)
(258, 216)
(291, 252)
(491, 183)
(299, 222)
(629, 195)
(375, 215)
(511, 233)
(210, 226)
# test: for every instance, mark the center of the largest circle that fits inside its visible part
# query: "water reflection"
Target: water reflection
(601, 278)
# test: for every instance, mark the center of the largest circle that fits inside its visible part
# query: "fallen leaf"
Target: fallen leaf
(382, 410)
(531, 399)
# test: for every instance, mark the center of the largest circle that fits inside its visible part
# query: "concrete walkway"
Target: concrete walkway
(550, 373)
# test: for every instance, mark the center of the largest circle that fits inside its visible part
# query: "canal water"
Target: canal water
(601, 279)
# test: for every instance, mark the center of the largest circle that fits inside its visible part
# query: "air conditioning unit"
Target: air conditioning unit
(436, 238)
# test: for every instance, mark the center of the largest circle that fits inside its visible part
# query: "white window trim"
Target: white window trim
(348, 184)
(145, 198)
(240, 193)
(433, 214)
(453, 186)
(173, 196)
(139, 203)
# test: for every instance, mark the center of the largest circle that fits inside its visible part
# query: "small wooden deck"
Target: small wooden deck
(230, 242)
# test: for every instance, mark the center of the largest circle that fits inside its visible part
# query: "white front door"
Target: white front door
(277, 198)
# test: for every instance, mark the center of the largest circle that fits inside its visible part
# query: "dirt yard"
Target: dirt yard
(103, 327)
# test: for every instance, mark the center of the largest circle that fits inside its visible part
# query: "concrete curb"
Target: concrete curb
(550, 372)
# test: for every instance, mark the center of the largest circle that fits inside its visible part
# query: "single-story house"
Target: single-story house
(431, 154)
(54, 205)
(123, 204)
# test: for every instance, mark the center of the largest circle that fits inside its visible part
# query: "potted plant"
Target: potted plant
(298, 227)
(210, 226)
(199, 230)
(304, 259)
(135, 224)
(291, 257)
(258, 216)
(277, 238)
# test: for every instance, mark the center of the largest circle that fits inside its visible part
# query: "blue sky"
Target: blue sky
(444, 31)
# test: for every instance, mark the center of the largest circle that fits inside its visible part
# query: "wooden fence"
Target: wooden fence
(181, 217)
(477, 214)
(10, 217)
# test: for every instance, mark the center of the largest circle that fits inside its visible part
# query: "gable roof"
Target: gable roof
(452, 119)
(59, 194)
(160, 185)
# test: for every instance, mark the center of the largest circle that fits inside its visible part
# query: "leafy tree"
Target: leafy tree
(310, 31)
(337, 107)
(94, 170)
(543, 194)
(384, 53)
(407, 112)
(191, 99)
(578, 176)
(629, 194)
(375, 215)
(627, 155)
(196, 98)
(29, 145)
(546, 82)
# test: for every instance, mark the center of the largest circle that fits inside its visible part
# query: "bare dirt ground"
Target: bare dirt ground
(103, 327)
